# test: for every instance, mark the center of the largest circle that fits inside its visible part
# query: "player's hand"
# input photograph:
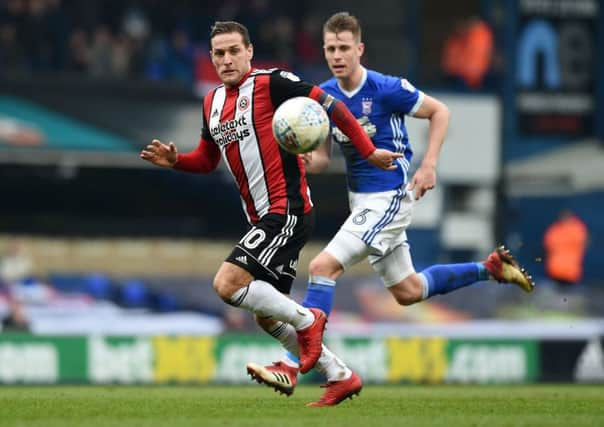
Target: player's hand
(384, 159)
(307, 159)
(160, 154)
(423, 180)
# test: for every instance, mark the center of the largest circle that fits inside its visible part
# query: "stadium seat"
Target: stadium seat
(134, 294)
(98, 286)
(167, 302)
(67, 282)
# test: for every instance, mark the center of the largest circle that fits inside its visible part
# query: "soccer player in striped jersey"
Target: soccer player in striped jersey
(237, 127)
(381, 202)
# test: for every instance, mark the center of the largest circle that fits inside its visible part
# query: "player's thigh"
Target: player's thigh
(285, 262)
(270, 249)
(343, 251)
(380, 219)
(394, 267)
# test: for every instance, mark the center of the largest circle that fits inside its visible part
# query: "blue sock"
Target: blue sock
(319, 294)
(445, 278)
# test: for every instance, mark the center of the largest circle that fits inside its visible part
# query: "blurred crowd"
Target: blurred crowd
(160, 40)
(151, 39)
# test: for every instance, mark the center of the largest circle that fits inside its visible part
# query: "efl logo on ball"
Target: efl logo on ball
(300, 124)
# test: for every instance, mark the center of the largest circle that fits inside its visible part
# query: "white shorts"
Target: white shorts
(376, 229)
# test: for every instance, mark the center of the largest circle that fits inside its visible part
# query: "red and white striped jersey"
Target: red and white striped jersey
(238, 120)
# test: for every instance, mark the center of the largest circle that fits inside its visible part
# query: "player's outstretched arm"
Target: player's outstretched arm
(160, 154)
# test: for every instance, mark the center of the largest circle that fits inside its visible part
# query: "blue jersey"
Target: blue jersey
(382, 101)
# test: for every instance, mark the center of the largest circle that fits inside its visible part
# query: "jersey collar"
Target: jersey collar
(356, 90)
(240, 82)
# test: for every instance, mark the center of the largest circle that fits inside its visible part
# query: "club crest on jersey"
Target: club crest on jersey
(244, 102)
(366, 104)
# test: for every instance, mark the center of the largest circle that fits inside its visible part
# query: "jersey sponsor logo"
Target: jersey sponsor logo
(366, 104)
(369, 128)
(244, 103)
(407, 86)
(230, 131)
(339, 136)
(289, 76)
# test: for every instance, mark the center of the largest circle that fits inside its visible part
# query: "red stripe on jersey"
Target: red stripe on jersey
(234, 157)
(236, 164)
(269, 149)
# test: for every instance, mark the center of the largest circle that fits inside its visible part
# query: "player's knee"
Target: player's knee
(229, 280)
(222, 289)
(225, 286)
(407, 292)
(325, 266)
(315, 268)
(405, 298)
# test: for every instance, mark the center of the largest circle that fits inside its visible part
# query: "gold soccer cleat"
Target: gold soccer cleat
(504, 268)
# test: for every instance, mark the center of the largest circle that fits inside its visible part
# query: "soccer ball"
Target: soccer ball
(300, 124)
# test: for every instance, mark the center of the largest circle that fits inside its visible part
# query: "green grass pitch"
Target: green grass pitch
(258, 406)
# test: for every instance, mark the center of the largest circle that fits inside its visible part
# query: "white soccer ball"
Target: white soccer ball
(300, 124)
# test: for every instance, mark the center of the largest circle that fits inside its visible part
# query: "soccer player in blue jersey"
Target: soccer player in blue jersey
(381, 202)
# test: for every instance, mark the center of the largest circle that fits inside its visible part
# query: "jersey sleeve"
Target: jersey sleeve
(205, 129)
(402, 96)
(203, 159)
(285, 85)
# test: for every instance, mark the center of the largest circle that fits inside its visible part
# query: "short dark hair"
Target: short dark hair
(225, 27)
(343, 21)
